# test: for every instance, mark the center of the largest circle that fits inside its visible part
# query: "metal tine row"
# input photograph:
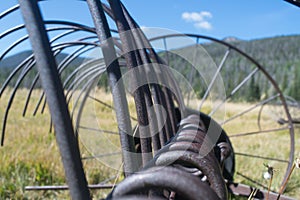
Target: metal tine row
(188, 157)
(52, 85)
(21, 71)
(191, 162)
(142, 95)
(141, 57)
(26, 67)
(161, 96)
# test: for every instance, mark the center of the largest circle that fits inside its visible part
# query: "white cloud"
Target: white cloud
(203, 25)
(200, 19)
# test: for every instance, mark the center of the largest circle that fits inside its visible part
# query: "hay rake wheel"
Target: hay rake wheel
(86, 75)
(249, 68)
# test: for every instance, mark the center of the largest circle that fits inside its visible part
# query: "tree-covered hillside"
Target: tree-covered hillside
(10, 63)
(280, 56)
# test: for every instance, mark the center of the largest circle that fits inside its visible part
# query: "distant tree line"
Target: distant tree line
(280, 56)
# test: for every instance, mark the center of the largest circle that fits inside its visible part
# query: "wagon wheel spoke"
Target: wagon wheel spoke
(265, 125)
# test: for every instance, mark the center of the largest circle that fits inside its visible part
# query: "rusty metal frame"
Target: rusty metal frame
(49, 72)
(52, 86)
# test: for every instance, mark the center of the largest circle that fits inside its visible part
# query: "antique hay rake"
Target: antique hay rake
(168, 147)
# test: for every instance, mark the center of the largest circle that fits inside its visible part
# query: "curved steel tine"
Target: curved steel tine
(69, 149)
(86, 88)
(76, 53)
(26, 37)
(8, 11)
(259, 117)
(39, 103)
(64, 45)
(16, 7)
(82, 70)
(50, 126)
(56, 52)
(17, 69)
(12, 46)
(14, 72)
(70, 31)
(29, 93)
(11, 30)
(71, 24)
(18, 42)
(84, 74)
(51, 22)
(74, 73)
(36, 78)
(61, 69)
(76, 83)
(10, 101)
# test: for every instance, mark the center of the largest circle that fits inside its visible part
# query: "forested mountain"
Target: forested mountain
(280, 56)
(10, 63)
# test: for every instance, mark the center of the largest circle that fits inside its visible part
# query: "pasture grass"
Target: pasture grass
(30, 155)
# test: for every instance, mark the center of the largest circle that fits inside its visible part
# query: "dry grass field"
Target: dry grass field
(30, 155)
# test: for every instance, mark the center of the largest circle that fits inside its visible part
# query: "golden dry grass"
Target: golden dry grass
(30, 155)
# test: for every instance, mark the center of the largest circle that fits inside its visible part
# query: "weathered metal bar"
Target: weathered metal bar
(214, 78)
(152, 121)
(56, 100)
(161, 94)
(251, 108)
(101, 155)
(129, 50)
(65, 187)
(240, 189)
(294, 2)
(261, 157)
(156, 93)
(98, 130)
(258, 132)
(234, 90)
(116, 84)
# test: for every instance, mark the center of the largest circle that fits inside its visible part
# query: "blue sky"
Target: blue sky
(243, 19)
